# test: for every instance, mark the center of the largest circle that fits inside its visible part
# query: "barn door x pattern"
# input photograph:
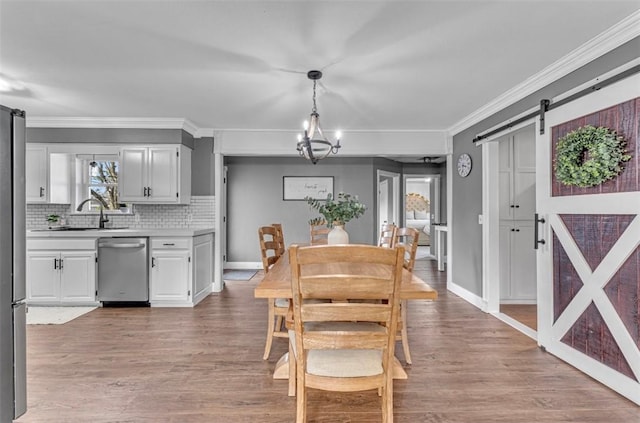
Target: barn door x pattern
(595, 244)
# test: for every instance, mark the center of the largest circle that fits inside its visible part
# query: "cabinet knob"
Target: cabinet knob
(517, 206)
(153, 262)
(41, 191)
(512, 206)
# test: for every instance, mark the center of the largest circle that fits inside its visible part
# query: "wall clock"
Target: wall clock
(464, 165)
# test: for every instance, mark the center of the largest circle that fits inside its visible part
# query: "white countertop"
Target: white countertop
(105, 233)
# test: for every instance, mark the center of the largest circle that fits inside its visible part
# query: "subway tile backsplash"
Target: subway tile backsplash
(198, 214)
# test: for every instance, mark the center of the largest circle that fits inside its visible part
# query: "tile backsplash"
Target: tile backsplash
(199, 213)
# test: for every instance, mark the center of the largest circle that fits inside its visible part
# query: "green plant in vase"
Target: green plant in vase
(338, 211)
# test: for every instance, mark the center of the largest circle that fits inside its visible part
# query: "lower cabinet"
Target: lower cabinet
(518, 284)
(61, 276)
(181, 270)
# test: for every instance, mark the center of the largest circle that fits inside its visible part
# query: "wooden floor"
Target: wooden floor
(205, 365)
(527, 314)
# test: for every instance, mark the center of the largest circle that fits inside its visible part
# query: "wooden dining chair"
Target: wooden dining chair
(280, 235)
(387, 235)
(277, 307)
(344, 346)
(318, 232)
(407, 238)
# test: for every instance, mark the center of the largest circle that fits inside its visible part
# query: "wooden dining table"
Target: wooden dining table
(277, 284)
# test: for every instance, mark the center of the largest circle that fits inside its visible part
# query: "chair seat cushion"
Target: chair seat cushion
(343, 363)
(282, 302)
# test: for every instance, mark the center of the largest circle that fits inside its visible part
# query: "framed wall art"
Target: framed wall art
(295, 188)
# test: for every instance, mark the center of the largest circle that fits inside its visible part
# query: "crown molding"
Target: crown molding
(625, 30)
(118, 122)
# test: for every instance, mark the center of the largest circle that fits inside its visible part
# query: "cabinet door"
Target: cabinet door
(43, 277)
(202, 265)
(133, 176)
(36, 173)
(524, 174)
(523, 263)
(78, 276)
(163, 174)
(169, 276)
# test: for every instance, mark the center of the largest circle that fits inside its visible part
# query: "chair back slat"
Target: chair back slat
(408, 238)
(340, 286)
(333, 340)
(269, 246)
(329, 312)
(319, 233)
(387, 235)
(279, 238)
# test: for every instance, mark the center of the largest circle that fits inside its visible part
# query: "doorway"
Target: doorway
(421, 209)
(388, 188)
(510, 280)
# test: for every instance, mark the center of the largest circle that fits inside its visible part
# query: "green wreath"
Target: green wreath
(589, 156)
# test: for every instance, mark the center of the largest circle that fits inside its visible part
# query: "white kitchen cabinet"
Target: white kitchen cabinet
(170, 276)
(37, 174)
(47, 176)
(516, 210)
(159, 174)
(181, 270)
(517, 263)
(61, 271)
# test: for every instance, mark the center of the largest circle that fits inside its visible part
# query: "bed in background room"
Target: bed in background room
(418, 216)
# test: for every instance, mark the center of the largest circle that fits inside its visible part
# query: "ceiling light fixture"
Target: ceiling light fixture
(314, 145)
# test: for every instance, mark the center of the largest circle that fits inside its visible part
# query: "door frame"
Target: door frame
(395, 198)
(490, 220)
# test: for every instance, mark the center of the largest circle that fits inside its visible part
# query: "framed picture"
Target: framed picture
(295, 188)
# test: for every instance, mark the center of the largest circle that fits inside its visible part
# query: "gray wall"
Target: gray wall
(467, 192)
(202, 167)
(254, 196)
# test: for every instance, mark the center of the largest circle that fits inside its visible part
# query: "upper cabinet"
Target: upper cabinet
(159, 174)
(37, 174)
(518, 175)
(47, 176)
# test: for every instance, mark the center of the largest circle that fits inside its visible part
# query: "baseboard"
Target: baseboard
(516, 325)
(467, 295)
(243, 265)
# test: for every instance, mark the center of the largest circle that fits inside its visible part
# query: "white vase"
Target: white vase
(338, 235)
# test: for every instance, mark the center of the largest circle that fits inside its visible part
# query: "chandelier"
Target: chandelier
(313, 145)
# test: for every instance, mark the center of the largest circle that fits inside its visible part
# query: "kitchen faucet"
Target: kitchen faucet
(102, 220)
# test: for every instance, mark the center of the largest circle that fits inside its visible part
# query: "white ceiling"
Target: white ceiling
(388, 65)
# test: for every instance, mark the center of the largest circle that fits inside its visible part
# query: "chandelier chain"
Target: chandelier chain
(314, 110)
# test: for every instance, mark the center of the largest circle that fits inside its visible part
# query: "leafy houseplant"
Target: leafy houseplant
(339, 211)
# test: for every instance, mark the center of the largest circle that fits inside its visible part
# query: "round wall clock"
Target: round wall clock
(464, 165)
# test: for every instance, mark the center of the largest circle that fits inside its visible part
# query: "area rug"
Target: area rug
(41, 315)
(238, 275)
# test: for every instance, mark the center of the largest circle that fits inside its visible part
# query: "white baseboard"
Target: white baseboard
(468, 296)
(243, 265)
(517, 325)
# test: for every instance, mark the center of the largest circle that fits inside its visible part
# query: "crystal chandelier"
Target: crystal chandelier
(313, 145)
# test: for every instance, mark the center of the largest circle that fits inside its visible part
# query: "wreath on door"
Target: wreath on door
(589, 156)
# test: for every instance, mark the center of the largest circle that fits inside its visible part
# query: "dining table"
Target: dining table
(277, 284)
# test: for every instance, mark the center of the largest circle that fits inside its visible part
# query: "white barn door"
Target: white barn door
(589, 266)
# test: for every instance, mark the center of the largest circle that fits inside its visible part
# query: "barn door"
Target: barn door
(589, 265)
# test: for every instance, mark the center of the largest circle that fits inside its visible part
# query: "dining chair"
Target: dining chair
(280, 236)
(344, 346)
(277, 307)
(318, 231)
(408, 238)
(387, 235)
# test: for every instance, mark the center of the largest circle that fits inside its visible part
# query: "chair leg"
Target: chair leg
(301, 396)
(405, 336)
(270, 321)
(387, 401)
(292, 371)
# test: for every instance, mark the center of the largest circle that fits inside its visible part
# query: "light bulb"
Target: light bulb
(299, 137)
(305, 125)
(338, 134)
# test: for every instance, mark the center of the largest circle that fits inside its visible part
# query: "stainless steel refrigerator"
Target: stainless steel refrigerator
(13, 346)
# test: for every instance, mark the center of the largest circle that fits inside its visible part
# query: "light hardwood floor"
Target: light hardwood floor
(205, 365)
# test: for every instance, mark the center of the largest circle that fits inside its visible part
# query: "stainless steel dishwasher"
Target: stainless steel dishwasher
(123, 271)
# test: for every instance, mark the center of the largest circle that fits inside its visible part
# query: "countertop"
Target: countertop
(106, 233)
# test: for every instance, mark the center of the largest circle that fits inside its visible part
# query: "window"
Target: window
(97, 179)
